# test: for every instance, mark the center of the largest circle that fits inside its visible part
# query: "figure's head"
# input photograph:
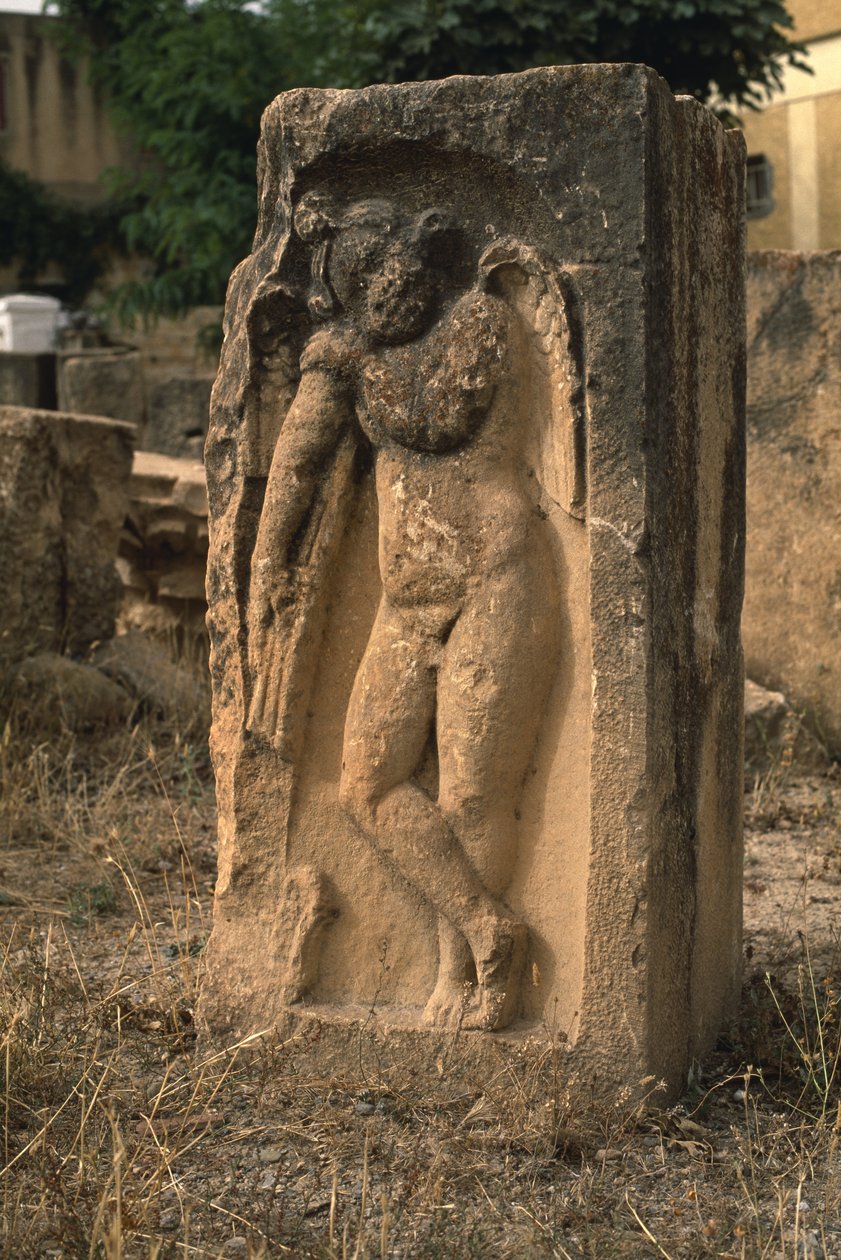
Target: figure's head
(382, 267)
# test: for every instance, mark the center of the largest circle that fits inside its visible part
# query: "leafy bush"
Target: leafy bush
(188, 80)
(39, 229)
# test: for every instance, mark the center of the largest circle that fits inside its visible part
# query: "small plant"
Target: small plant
(89, 900)
(764, 801)
(813, 1032)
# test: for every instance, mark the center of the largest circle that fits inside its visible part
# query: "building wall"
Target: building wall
(798, 132)
(815, 19)
(53, 125)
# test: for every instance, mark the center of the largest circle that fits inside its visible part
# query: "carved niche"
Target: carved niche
(443, 375)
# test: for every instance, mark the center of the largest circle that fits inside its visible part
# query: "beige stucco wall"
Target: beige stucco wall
(768, 133)
(828, 111)
(798, 133)
(814, 19)
(57, 130)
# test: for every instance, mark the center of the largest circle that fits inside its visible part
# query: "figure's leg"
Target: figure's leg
(493, 684)
(454, 989)
(389, 718)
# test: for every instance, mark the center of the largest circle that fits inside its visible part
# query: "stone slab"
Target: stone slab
(63, 499)
(792, 615)
(559, 254)
(103, 383)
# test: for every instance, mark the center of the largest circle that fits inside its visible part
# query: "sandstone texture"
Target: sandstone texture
(476, 484)
(163, 548)
(792, 615)
(63, 499)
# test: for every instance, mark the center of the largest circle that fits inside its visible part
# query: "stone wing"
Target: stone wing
(267, 325)
(543, 297)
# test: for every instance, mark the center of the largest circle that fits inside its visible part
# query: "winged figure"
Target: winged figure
(465, 382)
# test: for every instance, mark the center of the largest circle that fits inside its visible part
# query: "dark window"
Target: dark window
(760, 186)
(4, 81)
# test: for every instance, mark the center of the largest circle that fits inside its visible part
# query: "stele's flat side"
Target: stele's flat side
(476, 485)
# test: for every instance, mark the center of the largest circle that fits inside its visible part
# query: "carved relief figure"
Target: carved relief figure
(440, 380)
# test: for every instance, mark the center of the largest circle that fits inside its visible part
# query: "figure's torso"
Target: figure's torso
(443, 417)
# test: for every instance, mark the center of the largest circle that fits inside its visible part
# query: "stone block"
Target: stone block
(63, 499)
(154, 476)
(178, 415)
(792, 617)
(476, 483)
(28, 380)
(103, 383)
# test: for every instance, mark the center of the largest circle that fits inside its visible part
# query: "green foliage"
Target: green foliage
(187, 83)
(188, 79)
(38, 229)
(90, 900)
(735, 49)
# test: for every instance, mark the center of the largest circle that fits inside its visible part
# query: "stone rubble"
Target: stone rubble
(163, 548)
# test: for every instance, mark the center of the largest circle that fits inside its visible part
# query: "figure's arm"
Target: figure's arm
(459, 393)
(319, 414)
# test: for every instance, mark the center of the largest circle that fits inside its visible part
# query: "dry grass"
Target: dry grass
(121, 1140)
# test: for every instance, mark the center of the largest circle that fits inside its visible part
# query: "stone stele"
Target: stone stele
(476, 484)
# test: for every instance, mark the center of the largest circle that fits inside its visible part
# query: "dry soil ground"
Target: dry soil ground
(121, 1139)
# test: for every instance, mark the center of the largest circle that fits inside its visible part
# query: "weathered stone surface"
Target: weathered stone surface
(54, 689)
(63, 500)
(792, 616)
(105, 382)
(27, 380)
(163, 548)
(476, 480)
(178, 415)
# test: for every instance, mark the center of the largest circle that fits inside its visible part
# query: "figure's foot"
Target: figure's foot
(449, 1002)
(499, 965)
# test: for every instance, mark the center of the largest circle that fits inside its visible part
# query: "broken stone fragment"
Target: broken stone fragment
(776, 737)
(106, 382)
(163, 549)
(145, 670)
(54, 691)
